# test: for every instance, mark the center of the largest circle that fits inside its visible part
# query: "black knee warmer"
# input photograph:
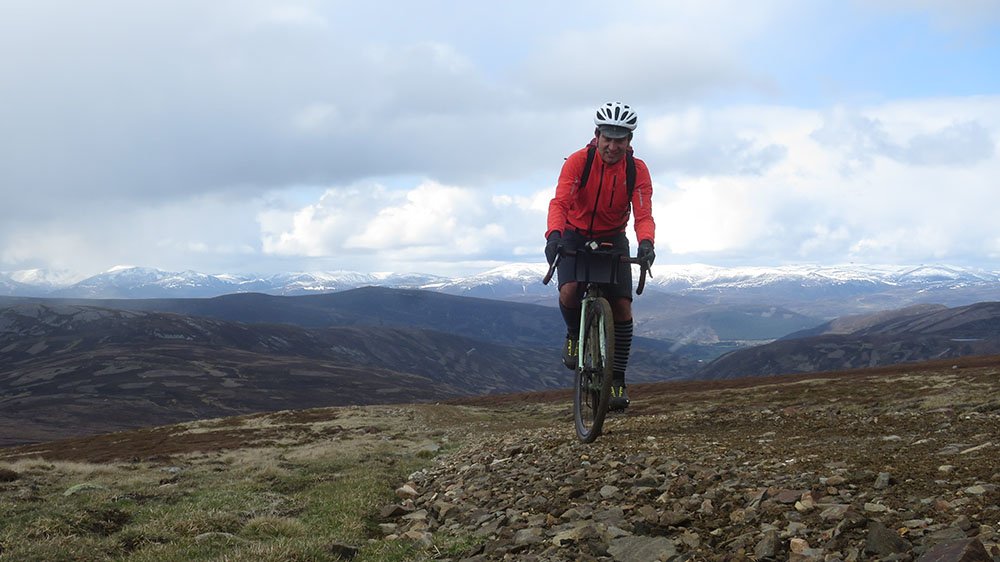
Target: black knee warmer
(623, 346)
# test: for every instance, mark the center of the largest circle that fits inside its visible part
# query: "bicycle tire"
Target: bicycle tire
(592, 382)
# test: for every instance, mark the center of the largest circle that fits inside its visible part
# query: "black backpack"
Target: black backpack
(629, 170)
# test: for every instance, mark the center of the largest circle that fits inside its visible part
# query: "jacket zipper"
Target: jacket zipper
(614, 184)
(597, 201)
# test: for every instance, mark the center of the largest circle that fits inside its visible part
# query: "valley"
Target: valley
(74, 367)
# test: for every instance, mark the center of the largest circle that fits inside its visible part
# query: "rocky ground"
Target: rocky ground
(897, 464)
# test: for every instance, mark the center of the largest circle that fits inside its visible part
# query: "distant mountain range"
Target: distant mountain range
(145, 282)
(725, 307)
(827, 288)
(78, 365)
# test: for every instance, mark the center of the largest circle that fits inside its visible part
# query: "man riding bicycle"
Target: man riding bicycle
(599, 186)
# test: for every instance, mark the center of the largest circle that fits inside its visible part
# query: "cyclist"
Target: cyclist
(599, 210)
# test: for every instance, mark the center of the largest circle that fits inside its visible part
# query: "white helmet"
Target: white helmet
(615, 119)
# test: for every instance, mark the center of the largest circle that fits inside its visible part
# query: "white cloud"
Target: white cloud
(897, 204)
(861, 139)
(795, 206)
(430, 221)
(704, 216)
(653, 53)
(292, 14)
(699, 141)
(961, 15)
(316, 118)
(319, 229)
(215, 122)
(429, 216)
(213, 233)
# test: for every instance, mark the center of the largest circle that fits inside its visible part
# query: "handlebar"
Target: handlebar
(643, 268)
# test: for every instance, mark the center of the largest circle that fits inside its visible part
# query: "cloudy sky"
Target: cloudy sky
(267, 136)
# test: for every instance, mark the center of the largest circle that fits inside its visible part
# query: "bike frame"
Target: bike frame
(592, 385)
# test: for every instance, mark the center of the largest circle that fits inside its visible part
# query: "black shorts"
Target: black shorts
(570, 268)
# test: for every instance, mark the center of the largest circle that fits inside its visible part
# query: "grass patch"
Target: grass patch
(281, 503)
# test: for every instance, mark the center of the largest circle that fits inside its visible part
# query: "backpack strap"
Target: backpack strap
(591, 152)
(629, 170)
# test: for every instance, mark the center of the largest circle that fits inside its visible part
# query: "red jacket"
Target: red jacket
(601, 208)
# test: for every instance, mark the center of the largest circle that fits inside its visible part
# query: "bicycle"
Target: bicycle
(597, 269)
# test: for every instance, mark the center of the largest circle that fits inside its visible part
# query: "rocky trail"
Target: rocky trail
(889, 464)
(896, 464)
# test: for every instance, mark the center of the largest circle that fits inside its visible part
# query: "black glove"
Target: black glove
(553, 245)
(646, 253)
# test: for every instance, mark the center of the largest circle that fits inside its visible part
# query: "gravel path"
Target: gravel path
(885, 466)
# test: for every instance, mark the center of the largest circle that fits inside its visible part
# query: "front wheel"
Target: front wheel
(592, 389)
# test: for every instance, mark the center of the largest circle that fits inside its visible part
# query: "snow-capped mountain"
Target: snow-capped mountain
(833, 290)
(9, 286)
(145, 282)
(332, 281)
(45, 277)
(505, 282)
(32, 282)
(861, 287)
(704, 277)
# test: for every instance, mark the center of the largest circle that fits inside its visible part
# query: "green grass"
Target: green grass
(253, 506)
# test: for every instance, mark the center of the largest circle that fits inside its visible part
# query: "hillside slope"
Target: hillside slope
(477, 318)
(68, 369)
(857, 322)
(912, 335)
